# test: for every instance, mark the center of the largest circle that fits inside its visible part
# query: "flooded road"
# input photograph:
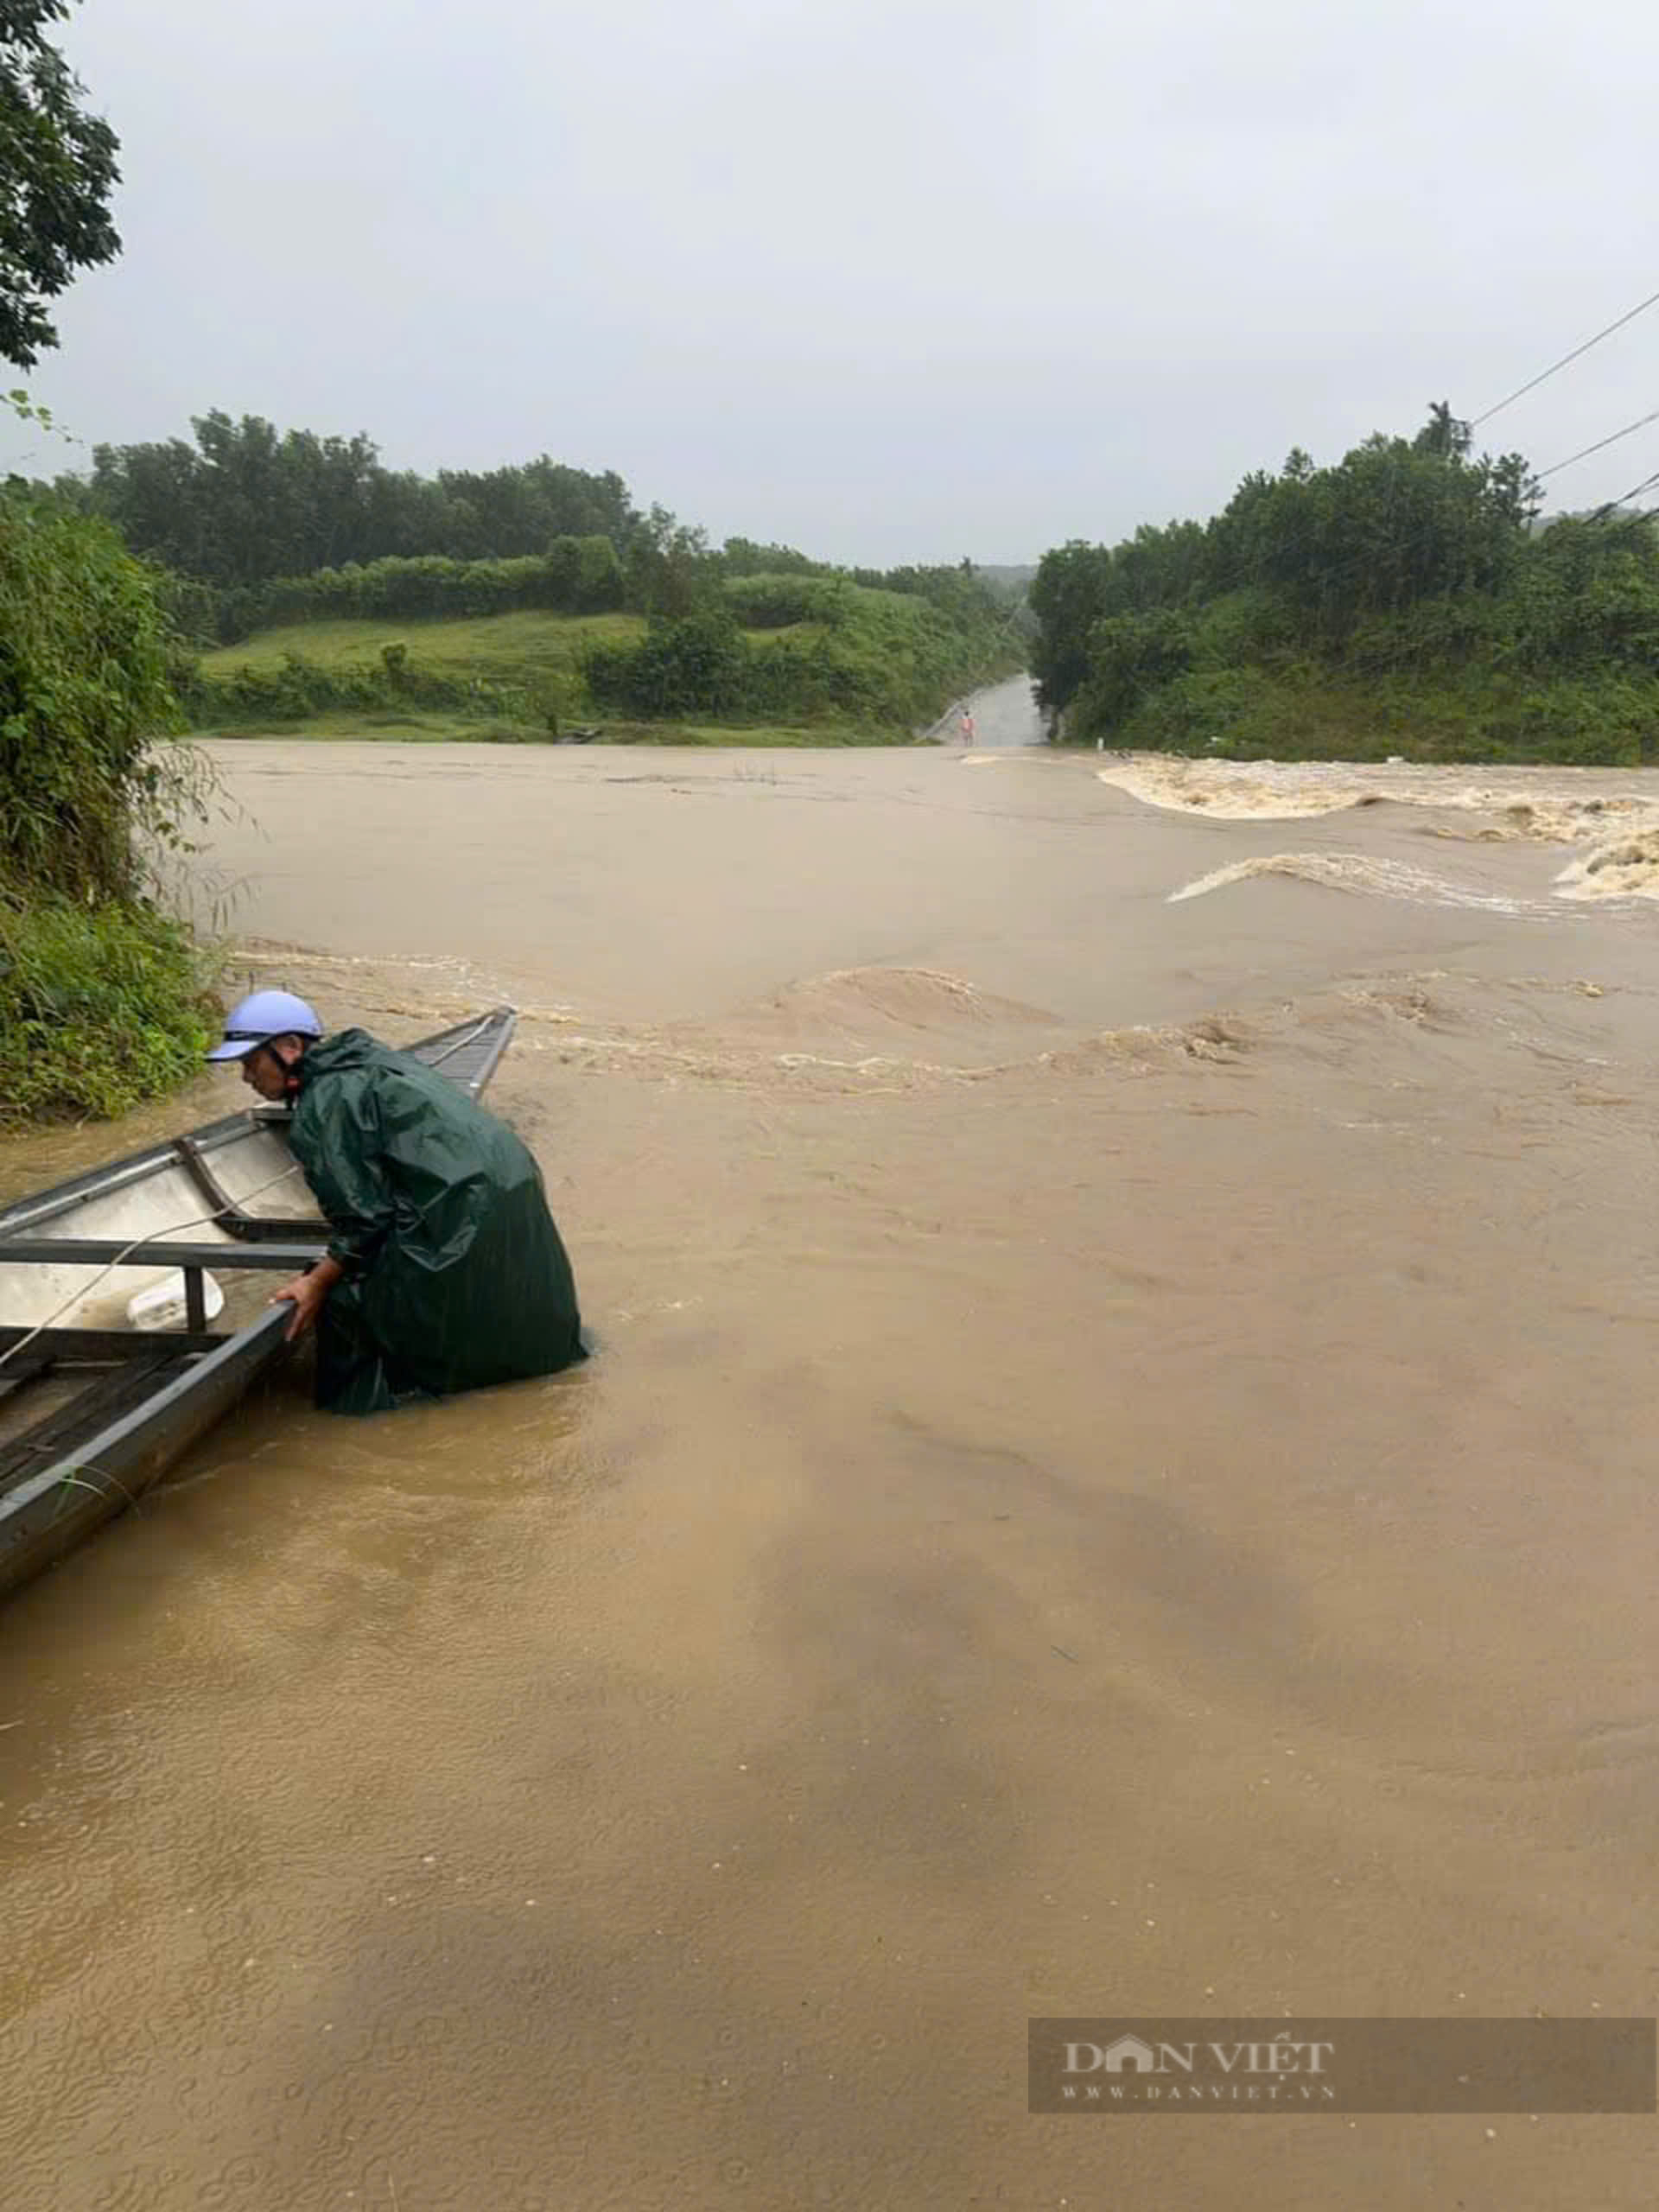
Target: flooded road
(1118, 1481)
(1005, 717)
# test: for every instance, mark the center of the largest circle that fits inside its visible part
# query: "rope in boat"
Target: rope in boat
(471, 1038)
(145, 1236)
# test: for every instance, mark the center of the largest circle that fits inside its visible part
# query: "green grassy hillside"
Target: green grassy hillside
(511, 647)
(866, 666)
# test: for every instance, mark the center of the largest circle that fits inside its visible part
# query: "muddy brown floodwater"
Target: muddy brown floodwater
(1119, 1481)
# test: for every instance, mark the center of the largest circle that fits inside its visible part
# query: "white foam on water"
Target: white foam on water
(1562, 806)
(1260, 793)
(1538, 806)
(1360, 872)
(1626, 866)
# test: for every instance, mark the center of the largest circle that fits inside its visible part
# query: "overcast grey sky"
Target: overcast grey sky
(885, 279)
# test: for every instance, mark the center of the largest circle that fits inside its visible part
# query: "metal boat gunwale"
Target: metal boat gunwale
(269, 1325)
(160, 1251)
(118, 1174)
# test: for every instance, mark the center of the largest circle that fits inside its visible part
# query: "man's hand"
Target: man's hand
(306, 1294)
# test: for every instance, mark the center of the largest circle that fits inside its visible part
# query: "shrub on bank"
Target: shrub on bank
(100, 1006)
(1303, 713)
(575, 575)
(774, 602)
(85, 663)
(298, 688)
(878, 658)
(100, 993)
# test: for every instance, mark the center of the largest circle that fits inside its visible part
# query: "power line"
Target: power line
(1556, 467)
(1544, 374)
(1634, 493)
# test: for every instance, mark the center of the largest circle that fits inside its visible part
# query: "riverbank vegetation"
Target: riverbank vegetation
(101, 991)
(1405, 600)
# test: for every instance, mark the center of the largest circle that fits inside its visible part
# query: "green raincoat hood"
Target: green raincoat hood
(346, 1048)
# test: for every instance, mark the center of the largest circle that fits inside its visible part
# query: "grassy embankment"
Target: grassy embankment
(875, 667)
(1469, 713)
(516, 660)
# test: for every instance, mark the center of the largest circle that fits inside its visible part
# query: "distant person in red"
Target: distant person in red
(966, 725)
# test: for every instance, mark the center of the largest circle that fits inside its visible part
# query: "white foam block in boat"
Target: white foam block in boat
(163, 1305)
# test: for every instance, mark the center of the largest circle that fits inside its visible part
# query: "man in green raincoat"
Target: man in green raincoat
(445, 1271)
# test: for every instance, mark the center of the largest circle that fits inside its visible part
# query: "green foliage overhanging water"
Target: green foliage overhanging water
(1404, 601)
(101, 1000)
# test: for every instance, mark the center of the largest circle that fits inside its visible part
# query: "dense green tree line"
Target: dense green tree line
(242, 506)
(1405, 598)
(575, 575)
(260, 528)
(244, 503)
